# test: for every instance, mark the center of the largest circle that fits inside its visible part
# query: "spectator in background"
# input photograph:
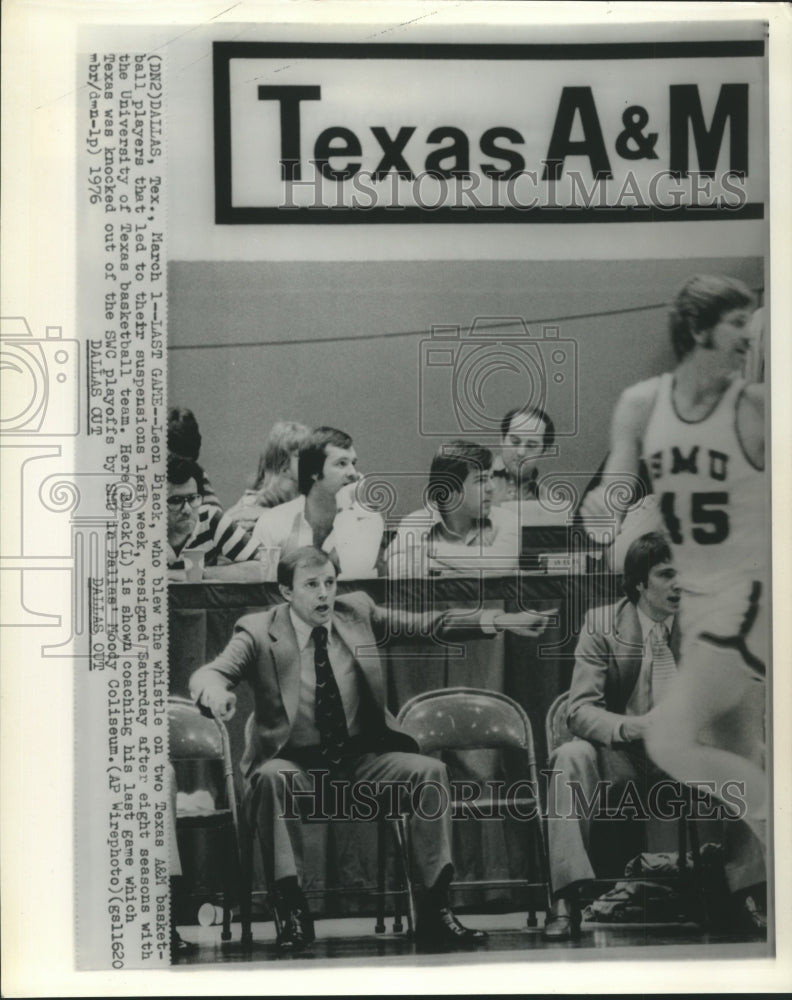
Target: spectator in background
(184, 440)
(326, 513)
(276, 479)
(527, 434)
(193, 524)
(459, 526)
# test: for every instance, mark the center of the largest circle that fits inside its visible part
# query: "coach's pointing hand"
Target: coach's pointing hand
(525, 623)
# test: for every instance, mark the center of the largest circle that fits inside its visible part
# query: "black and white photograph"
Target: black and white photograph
(394, 463)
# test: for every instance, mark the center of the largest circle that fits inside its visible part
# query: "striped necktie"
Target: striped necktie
(664, 666)
(329, 710)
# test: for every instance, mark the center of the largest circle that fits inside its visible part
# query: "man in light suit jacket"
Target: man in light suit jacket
(624, 662)
(319, 687)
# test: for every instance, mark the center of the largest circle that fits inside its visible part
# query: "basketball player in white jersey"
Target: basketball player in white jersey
(701, 429)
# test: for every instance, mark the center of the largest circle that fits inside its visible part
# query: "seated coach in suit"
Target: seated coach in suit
(319, 689)
(625, 660)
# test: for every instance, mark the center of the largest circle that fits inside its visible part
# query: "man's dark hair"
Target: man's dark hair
(451, 466)
(643, 555)
(184, 438)
(181, 469)
(699, 305)
(548, 436)
(312, 454)
(307, 555)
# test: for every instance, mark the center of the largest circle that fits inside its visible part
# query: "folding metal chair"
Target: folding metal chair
(465, 718)
(197, 738)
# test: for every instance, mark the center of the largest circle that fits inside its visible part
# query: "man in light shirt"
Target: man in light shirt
(459, 529)
(325, 515)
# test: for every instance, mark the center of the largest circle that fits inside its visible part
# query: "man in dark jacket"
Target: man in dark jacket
(319, 686)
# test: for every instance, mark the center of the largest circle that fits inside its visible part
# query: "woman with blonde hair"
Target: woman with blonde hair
(276, 478)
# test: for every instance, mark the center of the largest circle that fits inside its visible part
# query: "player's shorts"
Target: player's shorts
(734, 618)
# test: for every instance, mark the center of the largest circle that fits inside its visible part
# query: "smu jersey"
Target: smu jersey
(711, 498)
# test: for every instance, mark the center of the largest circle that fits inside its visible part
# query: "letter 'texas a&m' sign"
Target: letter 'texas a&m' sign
(507, 133)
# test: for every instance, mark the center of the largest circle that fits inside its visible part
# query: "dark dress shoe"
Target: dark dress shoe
(296, 926)
(439, 930)
(562, 922)
(306, 922)
(180, 948)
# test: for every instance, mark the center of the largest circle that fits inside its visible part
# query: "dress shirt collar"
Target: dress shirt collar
(647, 623)
(439, 527)
(303, 630)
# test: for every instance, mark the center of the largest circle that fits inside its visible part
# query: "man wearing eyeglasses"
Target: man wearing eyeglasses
(192, 524)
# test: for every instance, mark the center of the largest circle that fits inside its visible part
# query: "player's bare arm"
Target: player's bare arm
(751, 423)
(630, 418)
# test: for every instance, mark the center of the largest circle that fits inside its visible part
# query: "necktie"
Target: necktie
(329, 711)
(663, 663)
